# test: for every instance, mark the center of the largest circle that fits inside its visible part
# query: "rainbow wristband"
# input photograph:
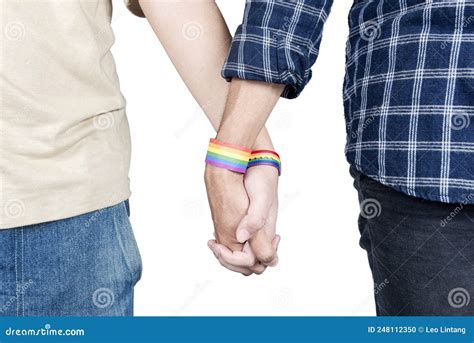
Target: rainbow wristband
(265, 157)
(228, 156)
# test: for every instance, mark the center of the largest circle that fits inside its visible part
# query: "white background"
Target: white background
(322, 269)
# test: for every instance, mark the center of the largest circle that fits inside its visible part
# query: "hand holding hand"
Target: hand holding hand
(244, 211)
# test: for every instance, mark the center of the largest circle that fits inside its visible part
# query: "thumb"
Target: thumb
(249, 226)
(255, 220)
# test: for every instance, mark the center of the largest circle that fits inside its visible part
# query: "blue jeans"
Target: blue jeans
(421, 252)
(82, 266)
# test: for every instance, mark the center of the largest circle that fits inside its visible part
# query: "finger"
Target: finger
(275, 245)
(260, 205)
(244, 258)
(262, 247)
(258, 268)
(276, 242)
(242, 270)
(250, 225)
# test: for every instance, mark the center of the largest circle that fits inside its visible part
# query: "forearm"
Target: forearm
(196, 38)
(248, 107)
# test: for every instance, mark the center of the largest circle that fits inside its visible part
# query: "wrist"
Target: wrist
(213, 173)
(236, 137)
(228, 156)
(261, 142)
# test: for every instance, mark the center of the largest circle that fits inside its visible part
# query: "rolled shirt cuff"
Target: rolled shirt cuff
(272, 56)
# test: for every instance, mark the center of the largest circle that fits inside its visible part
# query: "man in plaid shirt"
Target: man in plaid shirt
(409, 103)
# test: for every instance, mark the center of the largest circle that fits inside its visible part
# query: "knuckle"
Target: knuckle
(257, 221)
(265, 257)
(274, 263)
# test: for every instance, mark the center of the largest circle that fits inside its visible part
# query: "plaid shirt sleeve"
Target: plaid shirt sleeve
(278, 42)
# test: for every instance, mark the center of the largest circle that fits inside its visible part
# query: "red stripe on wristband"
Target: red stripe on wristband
(228, 156)
(265, 157)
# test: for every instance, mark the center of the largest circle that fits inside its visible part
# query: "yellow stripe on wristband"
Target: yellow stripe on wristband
(228, 156)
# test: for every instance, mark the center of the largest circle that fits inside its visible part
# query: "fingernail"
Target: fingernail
(243, 235)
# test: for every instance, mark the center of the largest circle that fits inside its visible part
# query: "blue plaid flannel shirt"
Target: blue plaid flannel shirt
(408, 90)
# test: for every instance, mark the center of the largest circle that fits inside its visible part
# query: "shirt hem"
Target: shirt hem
(420, 193)
(51, 214)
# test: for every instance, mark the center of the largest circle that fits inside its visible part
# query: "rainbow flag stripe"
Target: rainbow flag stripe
(265, 157)
(228, 156)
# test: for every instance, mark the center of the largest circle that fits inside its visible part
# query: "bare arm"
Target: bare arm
(248, 107)
(197, 40)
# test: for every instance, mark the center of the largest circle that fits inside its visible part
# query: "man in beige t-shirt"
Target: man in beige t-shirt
(65, 136)
(67, 243)
(64, 153)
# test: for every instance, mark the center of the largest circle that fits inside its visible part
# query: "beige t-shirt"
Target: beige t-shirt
(64, 135)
